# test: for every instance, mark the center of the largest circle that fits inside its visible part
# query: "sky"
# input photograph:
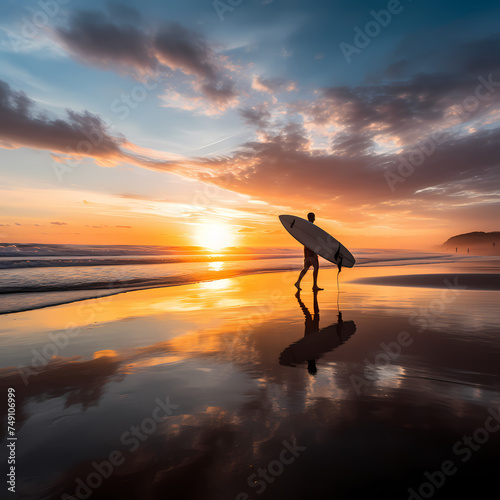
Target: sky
(165, 122)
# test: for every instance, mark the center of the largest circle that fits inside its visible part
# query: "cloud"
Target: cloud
(404, 106)
(59, 223)
(370, 128)
(480, 56)
(21, 125)
(272, 85)
(104, 40)
(19, 224)
(283, 170)
(282, 167)
(258, 115)
(182, 49)
(100, 41)
(79, 135)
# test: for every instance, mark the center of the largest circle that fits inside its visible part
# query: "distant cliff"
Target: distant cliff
(477, 242)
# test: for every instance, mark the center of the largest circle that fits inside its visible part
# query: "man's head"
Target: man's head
(311, 217)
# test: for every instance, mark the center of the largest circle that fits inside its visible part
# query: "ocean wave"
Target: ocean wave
(40, 250)
(20, 263)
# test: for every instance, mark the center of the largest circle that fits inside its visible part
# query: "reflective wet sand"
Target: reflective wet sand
(240, 389)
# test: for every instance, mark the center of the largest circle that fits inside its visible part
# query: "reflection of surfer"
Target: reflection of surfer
(311, 325)
(310, 259)
(316, 342)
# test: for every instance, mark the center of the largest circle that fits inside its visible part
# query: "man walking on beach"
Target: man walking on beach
(310, 259)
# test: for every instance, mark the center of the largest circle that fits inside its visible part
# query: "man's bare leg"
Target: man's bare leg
(301, 275)
(315, 279)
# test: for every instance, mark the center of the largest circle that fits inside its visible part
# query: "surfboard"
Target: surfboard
(315, 345)
(318, 240)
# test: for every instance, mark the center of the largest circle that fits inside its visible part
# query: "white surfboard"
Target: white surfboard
(318, 240)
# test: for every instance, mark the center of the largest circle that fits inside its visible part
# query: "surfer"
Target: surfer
(310, 259)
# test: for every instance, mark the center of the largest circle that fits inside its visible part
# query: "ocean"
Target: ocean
(42, 275)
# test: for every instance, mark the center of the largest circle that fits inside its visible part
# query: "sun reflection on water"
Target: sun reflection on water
(216, 266)
(215, 285)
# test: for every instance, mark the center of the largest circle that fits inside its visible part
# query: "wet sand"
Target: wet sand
(468, 281)
(240, 389)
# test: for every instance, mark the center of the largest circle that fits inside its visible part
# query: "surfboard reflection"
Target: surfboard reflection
(316, 341)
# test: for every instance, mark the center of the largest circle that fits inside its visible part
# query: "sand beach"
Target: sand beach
(239, 388)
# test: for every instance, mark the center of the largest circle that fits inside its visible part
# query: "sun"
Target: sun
(214, 237)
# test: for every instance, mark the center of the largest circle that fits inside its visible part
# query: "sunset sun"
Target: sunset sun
(214, 237)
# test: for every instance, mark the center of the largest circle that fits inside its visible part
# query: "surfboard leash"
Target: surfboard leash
(338, 291)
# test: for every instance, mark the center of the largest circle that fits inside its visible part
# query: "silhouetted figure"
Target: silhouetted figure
(315, 342)
(456, 249)
(467, 250)
(310, 259)
(311, 325)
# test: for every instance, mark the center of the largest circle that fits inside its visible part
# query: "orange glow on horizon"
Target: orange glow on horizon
(86, 218)
(214, 237)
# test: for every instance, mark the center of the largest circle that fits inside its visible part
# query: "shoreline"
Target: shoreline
(465, 281)
(381, 271)
(118, 291)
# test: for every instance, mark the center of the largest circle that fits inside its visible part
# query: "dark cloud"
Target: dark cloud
(396, 70)
(59, 223)
(112, 41)
(481, 57)
(20, 125)
(465, 86)
(98, 40)
(284, 171)
(258, 116)
(396, 107)
(352, 145)
(183, 49)
(79, 135)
